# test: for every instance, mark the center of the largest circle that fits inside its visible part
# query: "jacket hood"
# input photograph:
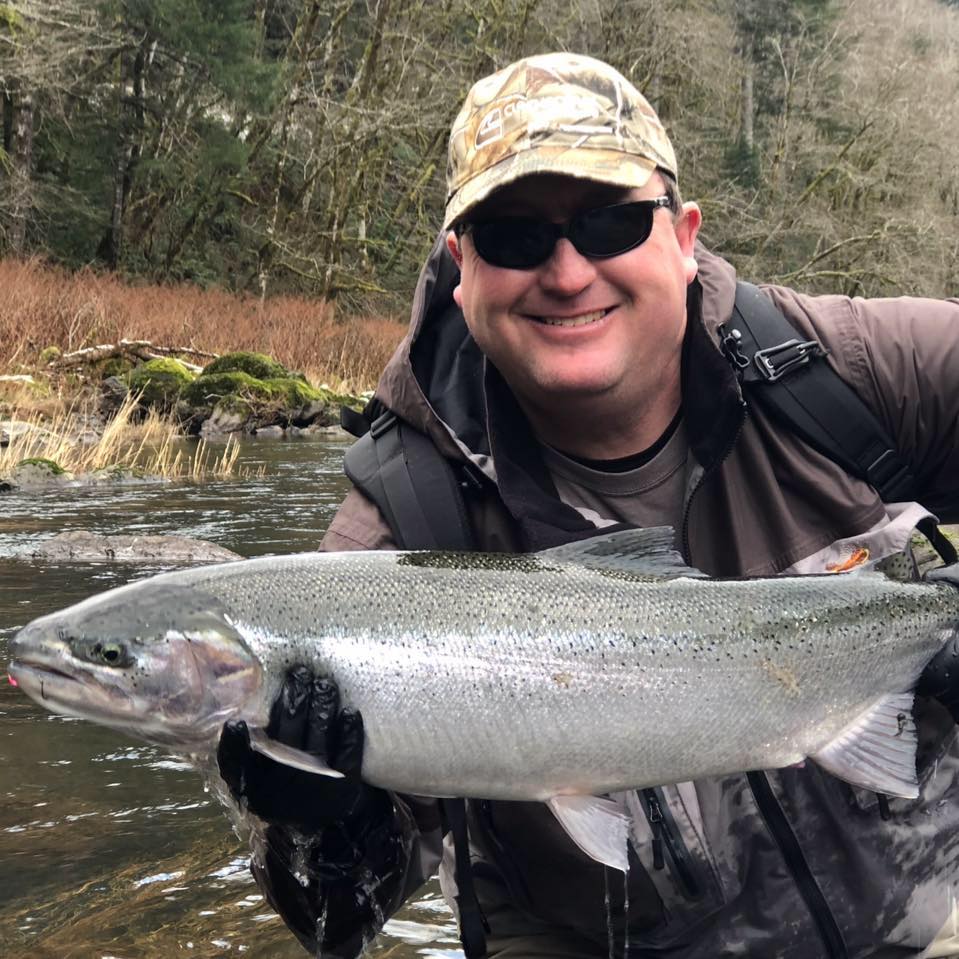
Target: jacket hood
(436, 378)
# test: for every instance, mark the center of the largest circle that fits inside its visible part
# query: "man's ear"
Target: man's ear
(687, 226)
(453, 245)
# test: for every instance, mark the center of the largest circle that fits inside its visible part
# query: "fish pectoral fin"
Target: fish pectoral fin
(288, 756)
(600, 827)
(649, 553)
(878, 750)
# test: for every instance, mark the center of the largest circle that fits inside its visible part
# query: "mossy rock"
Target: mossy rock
(50, 353)
(280, 400)
(159, 382)
(117, 366)
(51, 466)
(38, 473)
(209, 388)
(294, 392)
(258, 365)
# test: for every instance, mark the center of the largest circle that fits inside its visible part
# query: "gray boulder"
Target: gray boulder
(82, 546)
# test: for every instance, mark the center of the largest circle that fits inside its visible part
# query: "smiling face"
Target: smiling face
(606, 333)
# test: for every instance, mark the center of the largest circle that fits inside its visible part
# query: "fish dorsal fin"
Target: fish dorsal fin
(600, 827)
(878, 750)
(289, 756)
(643, 552)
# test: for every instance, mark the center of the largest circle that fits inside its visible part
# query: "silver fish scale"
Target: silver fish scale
(514, 678)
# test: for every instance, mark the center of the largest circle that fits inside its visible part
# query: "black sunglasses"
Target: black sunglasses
(520, 243)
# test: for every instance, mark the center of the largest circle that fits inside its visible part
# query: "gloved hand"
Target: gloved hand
(940, 679)
(306, 715)
(334, 847)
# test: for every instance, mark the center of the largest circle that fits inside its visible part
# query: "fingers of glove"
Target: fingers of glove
(941, 677)
(322, 712)
(233, 755)
(944, 574)
(290, 710)
(347, 755)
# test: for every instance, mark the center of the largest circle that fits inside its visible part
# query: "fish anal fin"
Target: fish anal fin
(878, 750)
(288, 756)
(600, 827)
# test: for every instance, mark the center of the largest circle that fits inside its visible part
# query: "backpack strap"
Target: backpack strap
(412, 484)
(474, 927)
(788, 376)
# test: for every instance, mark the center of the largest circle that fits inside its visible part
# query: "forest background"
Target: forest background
(292, 153)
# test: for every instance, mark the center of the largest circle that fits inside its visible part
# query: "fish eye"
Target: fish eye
(110, 654)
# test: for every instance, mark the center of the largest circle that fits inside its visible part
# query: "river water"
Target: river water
(110, 848)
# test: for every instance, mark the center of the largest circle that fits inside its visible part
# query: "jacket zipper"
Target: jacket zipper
(666, 836)
(789, 847)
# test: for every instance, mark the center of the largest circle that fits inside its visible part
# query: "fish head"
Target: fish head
(161, 662)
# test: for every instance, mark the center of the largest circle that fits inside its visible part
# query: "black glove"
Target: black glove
(306, 715)
(333, 847)
(940, 679)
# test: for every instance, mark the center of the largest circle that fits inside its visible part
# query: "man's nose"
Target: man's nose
(567, 272)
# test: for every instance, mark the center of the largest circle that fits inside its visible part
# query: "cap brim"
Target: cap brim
(604, 166)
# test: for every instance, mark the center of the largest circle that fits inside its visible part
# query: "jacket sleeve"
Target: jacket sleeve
(336, 911)
(357, 524)
(901, 355)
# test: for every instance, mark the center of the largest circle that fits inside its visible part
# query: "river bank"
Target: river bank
(111, 413)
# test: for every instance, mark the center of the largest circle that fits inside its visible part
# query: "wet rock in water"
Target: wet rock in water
(270, 433)
(36, 474)
(82, 546)
(229, 416)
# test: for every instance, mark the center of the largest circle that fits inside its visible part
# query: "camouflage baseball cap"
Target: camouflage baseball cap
(553, 113)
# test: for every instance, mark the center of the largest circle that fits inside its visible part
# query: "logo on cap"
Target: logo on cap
(491, 129)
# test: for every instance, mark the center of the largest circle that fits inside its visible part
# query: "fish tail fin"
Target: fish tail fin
(877, 750)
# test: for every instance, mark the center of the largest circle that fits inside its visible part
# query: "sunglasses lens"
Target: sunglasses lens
(513, 242)
(611, 230)
(520, 243)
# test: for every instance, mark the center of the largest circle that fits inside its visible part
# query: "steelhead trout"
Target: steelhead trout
(559, 676)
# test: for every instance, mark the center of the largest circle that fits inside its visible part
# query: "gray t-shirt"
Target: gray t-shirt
(649, 495)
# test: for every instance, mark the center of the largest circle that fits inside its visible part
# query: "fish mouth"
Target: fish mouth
(21, 670)
(50, 685)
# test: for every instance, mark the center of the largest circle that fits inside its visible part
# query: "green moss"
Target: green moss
(54, 467)
(49, 353)
(258, 365)
(160, 382)
(294, 392)
(207, 389)
(116, 366)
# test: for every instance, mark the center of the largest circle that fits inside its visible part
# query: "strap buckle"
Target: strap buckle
(775, 362)
(731, 345)
(382, 423)
(890, 475)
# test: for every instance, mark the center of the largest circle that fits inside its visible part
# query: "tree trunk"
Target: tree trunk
(6, 103)
(129, 149)
(22, 179)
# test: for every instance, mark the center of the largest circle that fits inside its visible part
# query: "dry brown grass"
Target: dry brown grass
(47, 306)
(149, 447)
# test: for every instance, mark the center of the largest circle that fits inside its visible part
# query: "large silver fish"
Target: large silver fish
(559, 676)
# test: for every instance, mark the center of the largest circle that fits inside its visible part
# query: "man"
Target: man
(565, 355)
